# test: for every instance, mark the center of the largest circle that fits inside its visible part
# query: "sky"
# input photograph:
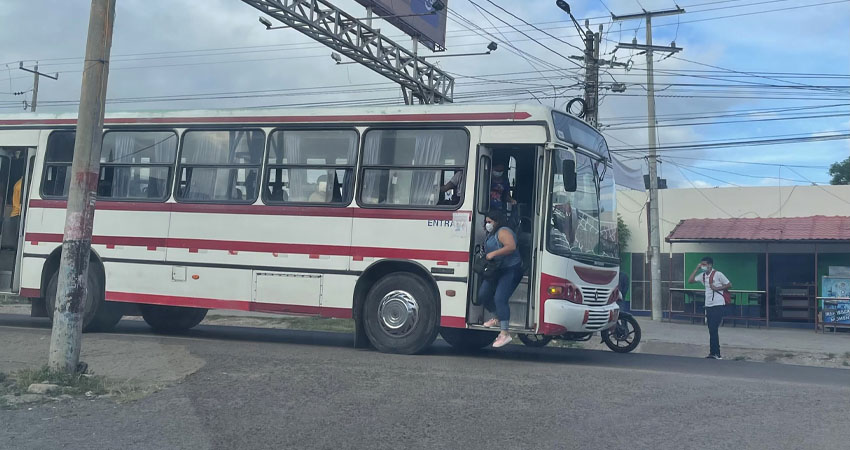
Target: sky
(750, 70)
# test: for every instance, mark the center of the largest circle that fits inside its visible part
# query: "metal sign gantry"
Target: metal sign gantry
(347, 35)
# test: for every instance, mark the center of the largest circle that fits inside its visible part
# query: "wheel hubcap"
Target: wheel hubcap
(398, 313)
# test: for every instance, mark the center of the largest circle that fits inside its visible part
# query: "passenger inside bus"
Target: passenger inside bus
(320, 195)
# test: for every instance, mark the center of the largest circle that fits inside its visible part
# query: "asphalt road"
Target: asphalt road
(267, 388)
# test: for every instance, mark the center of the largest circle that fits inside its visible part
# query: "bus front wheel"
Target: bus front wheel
(98, 314)
(400, 314)
(172, 319)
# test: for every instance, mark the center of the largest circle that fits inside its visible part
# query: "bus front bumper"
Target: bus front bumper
(562, 316)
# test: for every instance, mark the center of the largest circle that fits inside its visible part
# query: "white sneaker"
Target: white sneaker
(502, 341)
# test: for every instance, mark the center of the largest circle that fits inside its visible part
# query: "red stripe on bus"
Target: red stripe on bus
(170, 300)
(214, 303)
(193, 245)
(452, 322)
(436, 117)
(30, 292)
(299, 211)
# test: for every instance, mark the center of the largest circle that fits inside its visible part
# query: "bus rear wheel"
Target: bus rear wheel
(98, 314)
(172, 319)
(400, 314)
(468, 340)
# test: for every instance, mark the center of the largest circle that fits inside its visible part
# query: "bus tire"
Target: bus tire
(401, 314)
(468, 340)
(172, 319)
(98, 314)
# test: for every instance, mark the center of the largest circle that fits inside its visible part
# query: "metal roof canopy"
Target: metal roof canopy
(811, 229)
(342, 32)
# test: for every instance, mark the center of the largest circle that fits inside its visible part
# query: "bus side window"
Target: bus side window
(136, 165)
(220, 166)
(311, 166)
(57, 164)
(484, 168)
(407, 167)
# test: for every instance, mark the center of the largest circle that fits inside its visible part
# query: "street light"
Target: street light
(566, 8)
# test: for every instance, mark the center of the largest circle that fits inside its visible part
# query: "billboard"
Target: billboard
(429, 28)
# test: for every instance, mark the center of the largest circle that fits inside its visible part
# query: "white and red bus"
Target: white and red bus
(328, 212)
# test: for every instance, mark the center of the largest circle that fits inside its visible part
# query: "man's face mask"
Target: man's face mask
(498, 173)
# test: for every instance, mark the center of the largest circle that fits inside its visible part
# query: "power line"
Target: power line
(820, 187)
(748, 143)
(746, 162)
(526, 35)
(533, 26)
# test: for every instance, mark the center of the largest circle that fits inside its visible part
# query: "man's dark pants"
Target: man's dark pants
(715, 316)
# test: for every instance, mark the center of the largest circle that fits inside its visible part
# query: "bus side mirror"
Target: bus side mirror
(569, 171)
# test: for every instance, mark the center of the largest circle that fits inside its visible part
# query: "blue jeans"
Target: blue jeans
(498, 291)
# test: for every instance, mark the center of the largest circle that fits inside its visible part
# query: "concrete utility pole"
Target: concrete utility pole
(65, 341)
(591, 77)
(36, 74)
(654, 223)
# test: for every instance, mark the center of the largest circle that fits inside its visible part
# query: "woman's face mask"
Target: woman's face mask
(498, 173)
(489, 227)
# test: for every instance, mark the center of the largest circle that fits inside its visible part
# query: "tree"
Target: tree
(840, 172)
(623, 234)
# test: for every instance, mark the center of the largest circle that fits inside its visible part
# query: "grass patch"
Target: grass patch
(319, 324)
(773, 357)
(846, 364)
(78, 385)
(71, 384)
(13, 300)
(740, 358)
(831, 355)
(291, 323)
(789, 355)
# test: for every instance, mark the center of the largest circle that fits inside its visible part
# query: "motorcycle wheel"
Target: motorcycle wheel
(535, 340)
(624, 336)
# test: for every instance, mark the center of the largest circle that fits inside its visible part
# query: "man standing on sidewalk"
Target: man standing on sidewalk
(715, 283)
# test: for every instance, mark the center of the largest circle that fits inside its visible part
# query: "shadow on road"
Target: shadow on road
(517, 353)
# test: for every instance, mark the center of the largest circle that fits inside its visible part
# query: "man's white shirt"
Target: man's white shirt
(712, 298)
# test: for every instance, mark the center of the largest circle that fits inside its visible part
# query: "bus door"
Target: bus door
(15, 172)
(476, 311)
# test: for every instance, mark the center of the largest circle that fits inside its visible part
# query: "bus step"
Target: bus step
(512, 329)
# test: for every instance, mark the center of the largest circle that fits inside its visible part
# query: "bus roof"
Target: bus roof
(398, 113)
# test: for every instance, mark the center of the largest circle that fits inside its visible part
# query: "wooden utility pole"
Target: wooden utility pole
(36, 75)
(65, 342)
(654, 223)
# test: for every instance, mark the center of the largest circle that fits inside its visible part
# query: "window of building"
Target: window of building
(220, 166)
(314, 166)
(57, 164)
(409, 167)
(136, 165)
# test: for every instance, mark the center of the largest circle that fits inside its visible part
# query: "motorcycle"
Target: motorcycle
(623, 337)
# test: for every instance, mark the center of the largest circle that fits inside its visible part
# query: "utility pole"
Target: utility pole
(36, 74)
(591, 76)
(654, 223)
(65, 341)
(592, 63)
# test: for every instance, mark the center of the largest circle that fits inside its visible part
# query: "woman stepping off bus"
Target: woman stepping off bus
(501, 246)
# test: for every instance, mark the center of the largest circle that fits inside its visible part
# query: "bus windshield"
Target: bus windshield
(583, 222)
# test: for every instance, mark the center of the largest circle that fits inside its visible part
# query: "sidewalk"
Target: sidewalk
(787, 346)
